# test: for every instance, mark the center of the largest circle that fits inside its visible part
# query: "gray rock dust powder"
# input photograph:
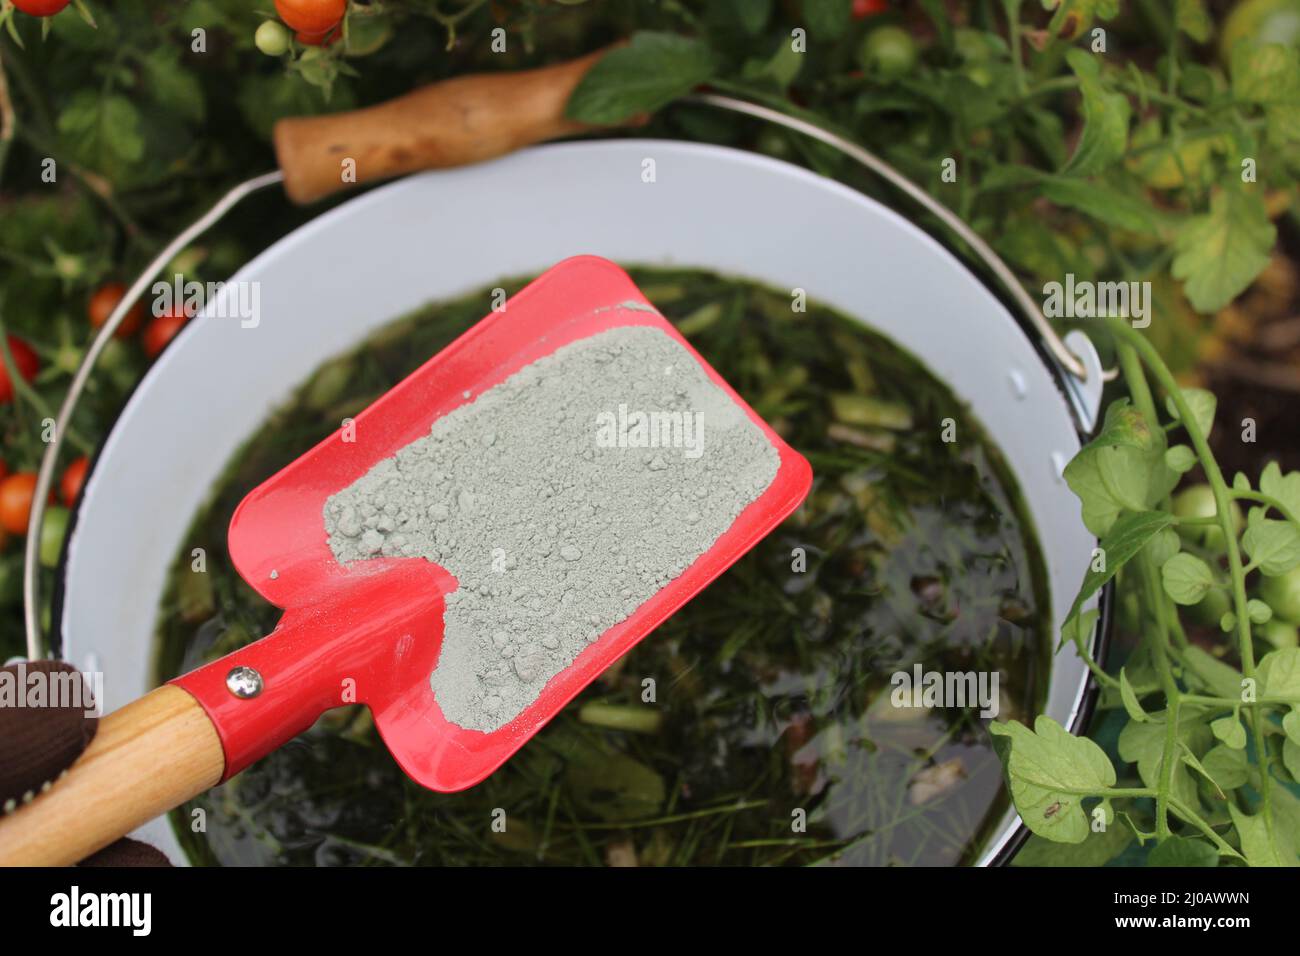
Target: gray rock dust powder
(561, 499)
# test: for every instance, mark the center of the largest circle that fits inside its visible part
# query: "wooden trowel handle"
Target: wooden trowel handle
(458, 121)
(150, 756)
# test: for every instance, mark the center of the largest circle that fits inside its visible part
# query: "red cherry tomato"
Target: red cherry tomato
(73, 478)
(311, 17)
(868, 8)
(105, 300)
(41, 8)
(16, 501)
(161, 330)
(27, 362)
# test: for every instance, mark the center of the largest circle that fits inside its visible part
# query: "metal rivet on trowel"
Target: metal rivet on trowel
(244, 682)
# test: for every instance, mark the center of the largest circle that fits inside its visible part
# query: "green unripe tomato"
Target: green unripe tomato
(1282, 594)
(1280, 634)
(52, 530)
(272, 38)
(1210, 609)
(1198, 502)
(887, 52)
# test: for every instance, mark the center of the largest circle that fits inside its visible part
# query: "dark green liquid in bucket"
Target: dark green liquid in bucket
(771, 688)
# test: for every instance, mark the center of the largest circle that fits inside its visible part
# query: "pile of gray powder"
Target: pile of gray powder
(561, 499)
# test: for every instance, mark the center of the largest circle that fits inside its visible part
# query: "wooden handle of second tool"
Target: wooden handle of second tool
(150, 756)
(453, 123)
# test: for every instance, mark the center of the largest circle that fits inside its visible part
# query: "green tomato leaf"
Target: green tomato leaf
(1098, 849)
(650, 72)
(1163, 547)
(1230, 731)
(1278, 674)
(1291, 724)
(1049, 772)
(1186, 578)
(1291, 758)
(1258, 611)
(1202, 405)
(1192, 18)
(104, 132)
(1183, 851)
(827, 19)
(1268, 75)
(1078, 628)
(1218, 254)
(750, 15)
(1220, 679)
(1126, 474)
(174, 88)
(1226, 766)
(1097, 506)
(1126, 538)
(779, 70)
(1118, 469)
(1190, 760)
(1273, 545)
(1073, 17)
(1104, 203)
(1106, 116)
(1181, 459)
(1257, 846)
(1285, 489)
(1127, 695)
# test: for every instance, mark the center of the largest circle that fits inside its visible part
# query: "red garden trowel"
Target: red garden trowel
(368, 632)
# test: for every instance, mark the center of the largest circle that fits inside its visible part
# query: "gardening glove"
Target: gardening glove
(37, 744)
